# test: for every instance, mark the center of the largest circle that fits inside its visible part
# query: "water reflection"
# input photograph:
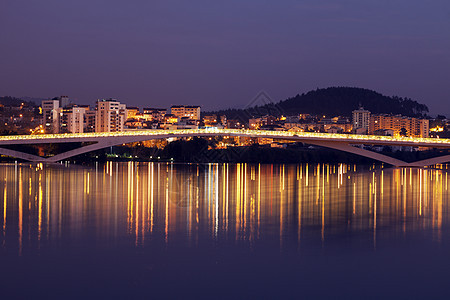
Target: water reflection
(236, 203)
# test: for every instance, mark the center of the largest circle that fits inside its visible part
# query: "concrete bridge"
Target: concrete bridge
(342, 142)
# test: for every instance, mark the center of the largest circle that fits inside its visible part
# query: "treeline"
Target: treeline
(333, 101)
(13, 101)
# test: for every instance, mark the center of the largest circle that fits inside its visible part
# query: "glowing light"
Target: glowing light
(437, 129)
(162, 134)
(5, 195)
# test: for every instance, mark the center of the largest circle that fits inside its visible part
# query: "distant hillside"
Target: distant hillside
(34, 100)
(333, 101)
(12, 101)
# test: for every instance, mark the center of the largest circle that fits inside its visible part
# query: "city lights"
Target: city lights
(162, 134)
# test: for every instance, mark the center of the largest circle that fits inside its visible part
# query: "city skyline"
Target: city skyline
(209, 54)
(171, 149)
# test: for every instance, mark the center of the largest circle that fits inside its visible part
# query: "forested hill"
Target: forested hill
(12, 101)
(333, 101)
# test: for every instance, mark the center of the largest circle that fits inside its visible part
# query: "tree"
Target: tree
(403, 132)
(334, 101)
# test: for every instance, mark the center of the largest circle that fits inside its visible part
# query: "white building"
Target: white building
(71, 119)
(111, 116)
(50, 116)
(361, 120)
(51, 111)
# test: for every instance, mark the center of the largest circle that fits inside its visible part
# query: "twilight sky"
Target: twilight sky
(222, 54)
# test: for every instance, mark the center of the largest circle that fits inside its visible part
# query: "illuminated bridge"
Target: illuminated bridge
(343, 142)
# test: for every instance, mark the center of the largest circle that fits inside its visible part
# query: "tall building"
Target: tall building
(71, 119)
(424, 128)
(361, 119)
(399, 125)
(50, 115)
(64, 101)
(182, 111)
(111, 116)
(89, 120)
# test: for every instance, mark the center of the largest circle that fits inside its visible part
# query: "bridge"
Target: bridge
(342, 142)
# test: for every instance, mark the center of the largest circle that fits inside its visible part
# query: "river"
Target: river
(143, 230)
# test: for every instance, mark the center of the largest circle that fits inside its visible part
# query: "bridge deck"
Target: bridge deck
(296, 136)
(341, 142)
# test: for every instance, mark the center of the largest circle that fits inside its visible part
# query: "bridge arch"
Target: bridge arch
(20, 155)
(93, 147)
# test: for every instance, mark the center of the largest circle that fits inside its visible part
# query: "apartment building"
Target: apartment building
(360, 120)
(50, 115)
(182, 111)
(110, 116)
(412, 127)
(72, 119)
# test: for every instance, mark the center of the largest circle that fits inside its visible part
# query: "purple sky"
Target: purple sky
(219, 55)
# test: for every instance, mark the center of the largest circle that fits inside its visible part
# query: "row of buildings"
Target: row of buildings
(383, 124)
(59, 115)
(109, 115)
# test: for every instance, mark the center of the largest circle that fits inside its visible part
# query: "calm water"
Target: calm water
(147, 230)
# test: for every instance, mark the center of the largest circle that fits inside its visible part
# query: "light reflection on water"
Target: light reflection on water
(137, 203)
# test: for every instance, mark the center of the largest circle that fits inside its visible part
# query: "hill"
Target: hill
(34, 100)
(333, 101)
(12, 101)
